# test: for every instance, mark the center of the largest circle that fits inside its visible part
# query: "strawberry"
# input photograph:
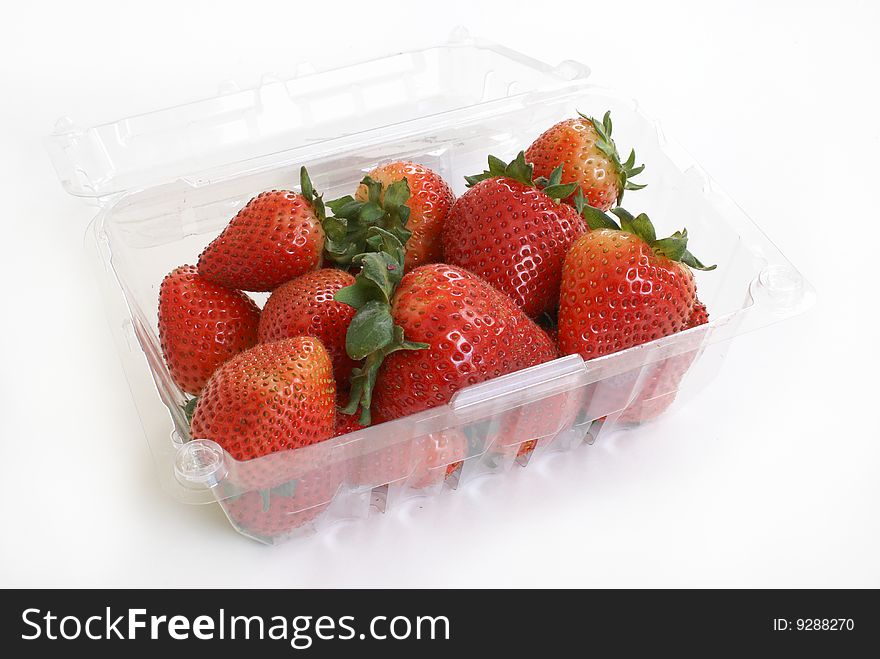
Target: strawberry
(429, 203)
(621, 286)
(270, 497)
(423, 461)
(305, 307)
(273, 397)
(661, 380)
(536, 421)
(276, 237)
(548, 322)
(266, 400)
(346, 423)
(201, 325)
(471, 332)
(512, 234)
(699, 316)
(588, 156)
(444, 452)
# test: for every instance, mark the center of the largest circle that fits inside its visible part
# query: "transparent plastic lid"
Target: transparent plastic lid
(323, 110)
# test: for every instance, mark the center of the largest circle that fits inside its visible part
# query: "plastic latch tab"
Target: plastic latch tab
(200, 463)
(782, 289)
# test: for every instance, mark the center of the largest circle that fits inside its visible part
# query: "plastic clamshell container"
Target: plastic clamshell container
(167, 183)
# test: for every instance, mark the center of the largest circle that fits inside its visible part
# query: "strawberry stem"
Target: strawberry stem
(189, 408)
(372, 334)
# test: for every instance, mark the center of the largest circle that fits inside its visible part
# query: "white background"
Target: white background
(771, 480)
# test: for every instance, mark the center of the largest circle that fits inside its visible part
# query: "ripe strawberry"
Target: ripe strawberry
(276, 237)
(273, 397)
(520, 430)
(512, 234)
(346, 423)
(472, 333)
(443, 454)
(278, 493)
(588, 156)
(429, 203)
(622, 286)
(424, 461)
(661, 381)
(548, 323)
(699, 316)
(305, 307)
(201, 325)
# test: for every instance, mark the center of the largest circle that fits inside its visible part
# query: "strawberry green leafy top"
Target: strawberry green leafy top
(348, 229)
(674, 247)
(625, 170)
(523, 172)
(311, 195)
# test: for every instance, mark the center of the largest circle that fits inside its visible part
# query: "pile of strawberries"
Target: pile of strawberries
(387, 302)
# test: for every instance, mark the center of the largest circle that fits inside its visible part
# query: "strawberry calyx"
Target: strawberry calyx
(523, 172)
(553, 186)
(517, 169)
(627, 169)
(189, 408)
(348, 229)
(372, 334)
(674, 247)
(308, 191)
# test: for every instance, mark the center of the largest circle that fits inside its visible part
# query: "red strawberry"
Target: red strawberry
(624, 287)
(699, 316)
(201, 325)
(276, 237)
(445, 452)
(429, 203)
(346, 423)
(534, 421)
(423, 461)
(278, 493)
(273, 397)
(519, 430)
(588, 156)
(661, 381)
(305, 307)
(269, 399)
(548, 322)
(472, 333)
(512, 234)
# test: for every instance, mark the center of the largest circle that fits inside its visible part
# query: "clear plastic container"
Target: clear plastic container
(168, 181)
